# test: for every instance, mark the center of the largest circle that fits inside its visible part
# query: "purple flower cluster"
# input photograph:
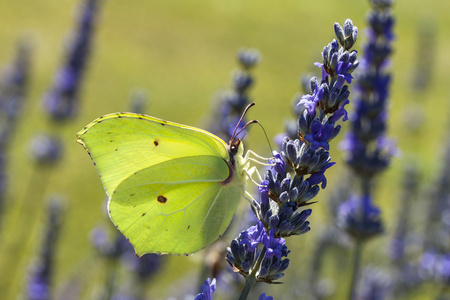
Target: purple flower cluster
(231, 104)
(368, 149)
(39, 281)
(61, 100)
(434, 263)
(376, 284)
(437, 266)
(46, 149)
(206, 290)
(13, 86)
(298, 169)
(360, 218)
(244, 251)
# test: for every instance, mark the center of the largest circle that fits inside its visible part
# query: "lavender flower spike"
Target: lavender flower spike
(298, 169)
(232, 103)
(207, 289)
(368, 149)
(41, 273)
(61, 100)
(244, 252)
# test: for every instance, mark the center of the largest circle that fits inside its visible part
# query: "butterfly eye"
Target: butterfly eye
(234, 145)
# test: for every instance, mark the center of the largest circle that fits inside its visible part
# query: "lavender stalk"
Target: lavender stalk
(13, 88)
(368, 149)
(259, 253)
(232, 103)
(61, 101)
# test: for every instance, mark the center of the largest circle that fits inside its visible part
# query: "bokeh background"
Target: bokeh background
(181, 54)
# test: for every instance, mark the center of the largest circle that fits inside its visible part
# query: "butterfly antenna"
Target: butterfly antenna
(267, 138)
(262, 127)
(245, 126)
(240, 120)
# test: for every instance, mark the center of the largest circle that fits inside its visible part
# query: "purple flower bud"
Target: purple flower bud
(206, 290)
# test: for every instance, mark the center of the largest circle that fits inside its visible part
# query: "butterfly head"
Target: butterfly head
(234, 145)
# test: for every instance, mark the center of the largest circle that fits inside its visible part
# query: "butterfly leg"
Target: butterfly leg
(248, 197)
(250, 172)
(253, 202)
(258, 156)
(247, 158)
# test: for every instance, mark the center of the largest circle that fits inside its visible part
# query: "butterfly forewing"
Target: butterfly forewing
(122, 144)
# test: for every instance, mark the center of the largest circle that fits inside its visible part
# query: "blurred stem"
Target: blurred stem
(251, 278)
(444, 292)
(356, 266)
(111, 278)
(317, 260)
(359, 242)
(28, 209)
(366, 186)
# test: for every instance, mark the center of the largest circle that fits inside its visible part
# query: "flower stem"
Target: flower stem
(356, 264)
(359, 242)
(251, 278)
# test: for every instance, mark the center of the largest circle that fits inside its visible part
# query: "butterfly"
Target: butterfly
(173, 189)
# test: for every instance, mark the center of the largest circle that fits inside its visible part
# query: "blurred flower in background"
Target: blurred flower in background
(37, 227)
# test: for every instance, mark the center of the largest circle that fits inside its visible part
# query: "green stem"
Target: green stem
(356, 267)
(365, 191)
(251, 278)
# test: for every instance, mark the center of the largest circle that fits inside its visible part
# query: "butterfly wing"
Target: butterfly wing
(169, 184)
(122, 144)
(175, 207)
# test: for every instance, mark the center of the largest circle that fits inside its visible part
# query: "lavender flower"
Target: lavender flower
(307, 157)
(61, 100)
(38, 287)
(45, 149)
(298, 171)
(245, 251)
(410, 191)
(233, 103)
(138, 101)
(119, 251)
(264, 297)
(13, 88)
(376, 284)
(436, 266)
(360, 218)
(207, 289)
(368, 149)
(437, 226)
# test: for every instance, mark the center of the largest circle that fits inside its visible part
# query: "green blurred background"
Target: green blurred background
(182, 53)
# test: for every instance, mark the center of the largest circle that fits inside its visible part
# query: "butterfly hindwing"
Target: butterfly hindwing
(175, 212)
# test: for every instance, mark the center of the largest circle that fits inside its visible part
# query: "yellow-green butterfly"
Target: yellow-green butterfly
(173, 189)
